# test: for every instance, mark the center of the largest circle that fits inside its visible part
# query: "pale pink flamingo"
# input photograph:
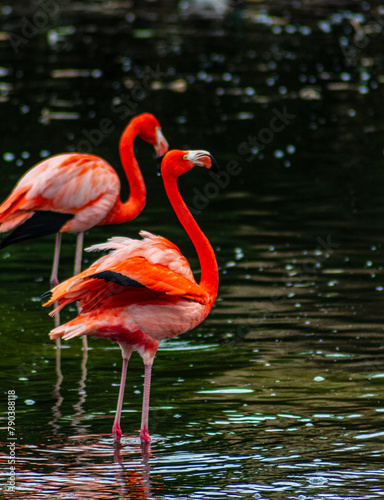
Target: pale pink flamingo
(144, 291)
(74, 192)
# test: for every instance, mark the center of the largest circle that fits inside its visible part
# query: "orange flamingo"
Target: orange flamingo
(144, 291)
(74, 192)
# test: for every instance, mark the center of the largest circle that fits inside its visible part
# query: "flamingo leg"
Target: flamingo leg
(116, 429)
(144, 433)
(79, 252)
(54, 279)
(77, 270)
(55, 266)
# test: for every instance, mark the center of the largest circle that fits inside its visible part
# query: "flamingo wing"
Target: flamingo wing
(156, 249)
(66, 184)
(156, 277)
(136, 277)
(38, 224)
(145, 269)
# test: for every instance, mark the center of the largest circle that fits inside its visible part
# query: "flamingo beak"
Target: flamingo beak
(161, 146)
(214, 166)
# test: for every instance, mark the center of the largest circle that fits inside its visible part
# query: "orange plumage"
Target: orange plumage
(144, 290)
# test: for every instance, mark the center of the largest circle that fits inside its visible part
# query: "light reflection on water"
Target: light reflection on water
(90, 467)
(290, 432)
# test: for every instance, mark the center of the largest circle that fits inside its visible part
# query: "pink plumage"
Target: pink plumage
(74, 192)
(144, 290)
(85, 186)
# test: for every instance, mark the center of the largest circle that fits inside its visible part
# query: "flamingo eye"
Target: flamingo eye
(195, 155)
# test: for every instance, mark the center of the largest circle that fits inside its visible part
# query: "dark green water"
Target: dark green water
(279, 393)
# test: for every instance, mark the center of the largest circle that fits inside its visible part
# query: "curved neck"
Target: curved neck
(123, 212)
(209, 271)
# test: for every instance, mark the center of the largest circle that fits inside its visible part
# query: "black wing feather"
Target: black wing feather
(41, 223)
(117, 278)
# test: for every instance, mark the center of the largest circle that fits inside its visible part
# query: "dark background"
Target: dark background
(278, 394)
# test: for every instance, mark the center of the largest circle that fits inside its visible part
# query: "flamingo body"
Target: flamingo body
(144, 291)
(74, 192)
(145, 286)
(83, 186)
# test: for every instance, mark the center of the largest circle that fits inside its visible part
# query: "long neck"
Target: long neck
(123, 212)
(209, 271)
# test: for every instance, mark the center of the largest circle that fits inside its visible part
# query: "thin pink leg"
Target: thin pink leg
(77, 270)
(55, 266)
(116, 429)
(79, 252)
(54, 279)
(144, 433)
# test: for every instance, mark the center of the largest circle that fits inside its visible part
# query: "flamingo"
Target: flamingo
(144, 290)
(73, 192)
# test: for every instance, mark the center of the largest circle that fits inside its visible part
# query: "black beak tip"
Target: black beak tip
(215, 166)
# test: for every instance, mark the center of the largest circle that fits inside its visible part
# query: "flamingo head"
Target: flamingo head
(177, 162)
(148, 129)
